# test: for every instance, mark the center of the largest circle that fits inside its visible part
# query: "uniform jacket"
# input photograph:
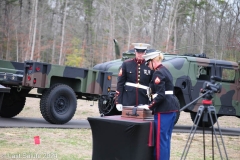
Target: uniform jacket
(162, 81)
(133, 71)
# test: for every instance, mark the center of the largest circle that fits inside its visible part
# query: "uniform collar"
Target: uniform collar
(158, 67)
(139, 61)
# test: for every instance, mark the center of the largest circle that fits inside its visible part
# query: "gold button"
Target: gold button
(138, 64)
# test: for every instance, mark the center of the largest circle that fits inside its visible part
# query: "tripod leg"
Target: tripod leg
(192, 132)
(211, 110)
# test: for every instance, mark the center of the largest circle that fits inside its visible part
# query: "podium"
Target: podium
(120, 138)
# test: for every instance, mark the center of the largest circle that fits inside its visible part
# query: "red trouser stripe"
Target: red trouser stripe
(158, 137)
(150, 143)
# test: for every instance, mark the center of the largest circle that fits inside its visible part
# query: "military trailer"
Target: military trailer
(58, 88)
(189, 71)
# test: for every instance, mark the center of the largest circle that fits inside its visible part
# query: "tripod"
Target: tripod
(206, 110)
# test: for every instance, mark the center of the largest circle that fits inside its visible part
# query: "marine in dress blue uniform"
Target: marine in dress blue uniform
(163, 105)
(133, 79)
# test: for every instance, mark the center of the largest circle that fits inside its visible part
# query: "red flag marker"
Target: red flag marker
(37, 140)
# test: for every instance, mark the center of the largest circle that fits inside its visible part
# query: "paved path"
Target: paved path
(40, 123)
(20, 122)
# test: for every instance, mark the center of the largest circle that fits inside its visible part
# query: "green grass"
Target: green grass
(62, 144)
(76, 144)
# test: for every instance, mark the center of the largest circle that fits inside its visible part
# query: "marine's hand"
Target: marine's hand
(144, 106)
(119, 107)
(154, 95)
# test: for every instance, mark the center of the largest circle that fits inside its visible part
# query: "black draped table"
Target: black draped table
(119, 138)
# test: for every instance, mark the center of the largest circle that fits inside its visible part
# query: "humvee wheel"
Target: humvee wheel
(58, 104)
(13, 103)
(178, 112)
(206, 124)
(107, 107)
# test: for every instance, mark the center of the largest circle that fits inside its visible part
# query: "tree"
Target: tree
(45, 30)
(35, 28)
(61, 60)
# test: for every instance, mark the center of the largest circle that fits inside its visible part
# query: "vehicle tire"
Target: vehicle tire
(200, 124)
(178, 112)
(13, 103)
(58, 104)
(107, 106)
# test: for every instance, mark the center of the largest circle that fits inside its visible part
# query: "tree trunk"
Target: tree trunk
(153, 22)
(191, 39)
(61, 60)
(54, 30)
(6, 22)
(172, 19)
(40, 33)
(88, 32)
(205, 29)
(7, 51)
(30, 32)
(35, 28)
(17, 52)
(175, 36)
(219, 31)
(20, 41)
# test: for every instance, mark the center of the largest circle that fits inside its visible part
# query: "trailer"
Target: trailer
(58, 88)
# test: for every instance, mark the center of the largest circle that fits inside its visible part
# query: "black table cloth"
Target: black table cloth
(119, 138)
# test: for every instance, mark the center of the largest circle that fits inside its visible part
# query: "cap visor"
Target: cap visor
(140, 50)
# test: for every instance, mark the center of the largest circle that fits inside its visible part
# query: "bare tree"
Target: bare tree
(54, 29)
(35, 28)
(87, 28)
(17, 46)
(41, 15)
(172, 18)
(61, 61)
(153, 20)
(31, 13)
(128, 14)
(111, 9)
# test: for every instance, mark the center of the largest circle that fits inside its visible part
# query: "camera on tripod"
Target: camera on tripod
(211, 87)
(206, 114)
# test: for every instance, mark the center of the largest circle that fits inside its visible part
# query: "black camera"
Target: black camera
(212, 87)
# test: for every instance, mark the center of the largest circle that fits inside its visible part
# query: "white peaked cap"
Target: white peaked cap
(141, 45)
(151, 55)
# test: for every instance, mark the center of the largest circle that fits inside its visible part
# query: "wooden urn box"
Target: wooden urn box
(135, 112)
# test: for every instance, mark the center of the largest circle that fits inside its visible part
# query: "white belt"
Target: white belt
(166, 92)
(137, 85)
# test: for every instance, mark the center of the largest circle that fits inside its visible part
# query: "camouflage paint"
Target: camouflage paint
(44, 75)
(11, 65)
(11, 72)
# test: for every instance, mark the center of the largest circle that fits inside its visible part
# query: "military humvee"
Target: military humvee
(189, 71)
(57, 86)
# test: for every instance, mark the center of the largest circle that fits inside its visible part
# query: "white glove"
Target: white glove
(144, 106)
(154, 96)
(119, 107)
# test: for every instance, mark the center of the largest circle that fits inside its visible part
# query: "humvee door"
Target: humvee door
(227, 102)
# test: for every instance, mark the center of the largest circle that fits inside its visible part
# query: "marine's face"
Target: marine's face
(150, 64)
(139, 53)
